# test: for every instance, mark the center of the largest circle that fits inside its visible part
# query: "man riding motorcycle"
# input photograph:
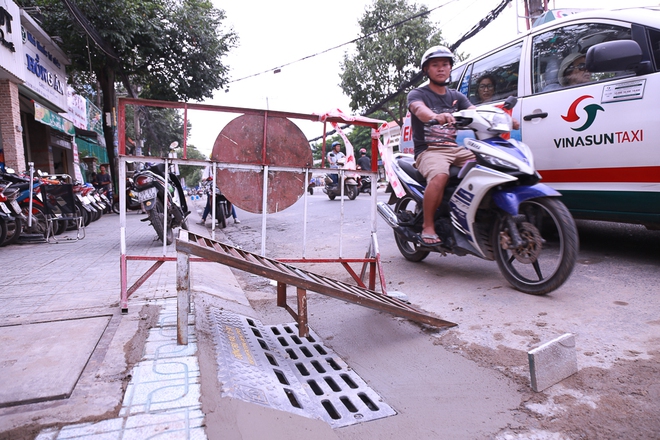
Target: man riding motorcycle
(335, 158)
(436, 102)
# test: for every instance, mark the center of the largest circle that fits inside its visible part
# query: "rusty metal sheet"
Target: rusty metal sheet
(242, 142)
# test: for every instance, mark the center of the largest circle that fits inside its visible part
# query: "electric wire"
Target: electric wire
(355, 40)
(417, 78)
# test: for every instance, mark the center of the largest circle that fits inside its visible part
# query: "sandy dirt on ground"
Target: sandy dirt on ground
(628, 395)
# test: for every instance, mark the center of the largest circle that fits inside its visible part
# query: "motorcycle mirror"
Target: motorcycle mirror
(510, 102)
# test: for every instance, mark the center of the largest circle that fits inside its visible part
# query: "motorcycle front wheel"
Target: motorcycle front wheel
(351, 192)
(407, 207)
(156, 216)
(39, 221)
(547, 257)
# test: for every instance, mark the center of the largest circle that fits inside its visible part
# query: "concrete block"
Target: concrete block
(552, 362)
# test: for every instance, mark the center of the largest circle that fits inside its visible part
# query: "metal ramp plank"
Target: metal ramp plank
(303, 280)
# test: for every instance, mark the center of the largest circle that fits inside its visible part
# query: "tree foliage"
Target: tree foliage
(191, 174)
(387, 58)
(172, 49)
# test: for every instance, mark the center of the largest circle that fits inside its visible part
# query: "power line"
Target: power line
(399, 23)
(418, 77)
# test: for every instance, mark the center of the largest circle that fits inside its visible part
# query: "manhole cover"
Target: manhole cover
(272, 366)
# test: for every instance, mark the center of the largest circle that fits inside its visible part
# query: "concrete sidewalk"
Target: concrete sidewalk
(69, 355)
(74, 366)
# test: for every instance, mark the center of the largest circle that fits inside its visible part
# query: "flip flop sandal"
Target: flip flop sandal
(424, 237)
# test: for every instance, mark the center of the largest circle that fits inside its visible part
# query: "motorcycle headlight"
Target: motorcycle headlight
(500, 163)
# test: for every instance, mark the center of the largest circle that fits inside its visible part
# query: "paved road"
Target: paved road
(609, 303)
(469, 382)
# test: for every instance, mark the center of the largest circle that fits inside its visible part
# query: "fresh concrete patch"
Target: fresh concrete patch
(43, 361)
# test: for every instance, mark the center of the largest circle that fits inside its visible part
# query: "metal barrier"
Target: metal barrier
(61, 208)
(246, 164)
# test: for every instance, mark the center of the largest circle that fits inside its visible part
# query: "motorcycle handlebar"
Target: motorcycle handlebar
(461, 121)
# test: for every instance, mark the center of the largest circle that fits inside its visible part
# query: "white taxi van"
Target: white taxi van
(589, 107)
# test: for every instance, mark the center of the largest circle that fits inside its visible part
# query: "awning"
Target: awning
(88, 135)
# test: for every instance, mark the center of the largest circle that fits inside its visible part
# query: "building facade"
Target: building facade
(41, 121)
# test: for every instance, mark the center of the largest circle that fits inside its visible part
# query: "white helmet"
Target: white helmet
(437, 52)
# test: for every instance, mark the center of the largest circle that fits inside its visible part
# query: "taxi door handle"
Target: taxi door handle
(541, 115)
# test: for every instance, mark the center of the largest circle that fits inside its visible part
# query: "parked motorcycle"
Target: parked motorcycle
(132, 202)
(223, 206)
(493, 208)
(13, 218)
(364, 184)
(38, 223)
(150, 190)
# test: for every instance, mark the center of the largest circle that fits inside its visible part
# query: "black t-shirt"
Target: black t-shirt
(103, 180)
(364, 162)
(450, 102)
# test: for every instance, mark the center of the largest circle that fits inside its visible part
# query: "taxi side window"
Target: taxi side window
(495, 77)
(456, 74)
(654, 37)
(558, 56)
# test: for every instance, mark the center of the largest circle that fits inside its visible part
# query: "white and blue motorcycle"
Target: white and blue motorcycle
(493, 208)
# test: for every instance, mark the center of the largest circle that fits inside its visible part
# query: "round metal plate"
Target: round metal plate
(242, 142)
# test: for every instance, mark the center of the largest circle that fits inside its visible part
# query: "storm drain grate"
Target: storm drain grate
(274, 367)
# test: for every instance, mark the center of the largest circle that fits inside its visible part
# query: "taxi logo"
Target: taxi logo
(590, 109)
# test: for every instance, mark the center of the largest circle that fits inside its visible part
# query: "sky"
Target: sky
(272, 34)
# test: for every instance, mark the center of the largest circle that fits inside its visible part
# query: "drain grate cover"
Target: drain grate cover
(272, 366)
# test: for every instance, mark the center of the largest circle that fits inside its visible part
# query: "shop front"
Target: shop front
(33, 97)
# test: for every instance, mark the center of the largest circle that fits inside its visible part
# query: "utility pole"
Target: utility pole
(533, 10)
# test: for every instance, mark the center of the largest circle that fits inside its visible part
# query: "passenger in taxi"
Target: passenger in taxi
(574, 70)
(485, 88)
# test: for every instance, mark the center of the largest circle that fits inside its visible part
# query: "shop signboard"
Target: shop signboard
(53, 120)
(76, 109)
(44, 63)
(11, 50)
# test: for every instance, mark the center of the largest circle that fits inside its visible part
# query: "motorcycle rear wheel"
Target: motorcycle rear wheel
(59, 227)
(14, 229)
(156, 216)
(221, 215)
(411, 251)
(86, 215)
(548, 258)
(3, 231)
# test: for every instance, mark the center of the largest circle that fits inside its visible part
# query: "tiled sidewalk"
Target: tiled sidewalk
(162, 398)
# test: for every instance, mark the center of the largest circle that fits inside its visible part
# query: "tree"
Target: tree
(172, 48)
(387, 55)
(191, 174)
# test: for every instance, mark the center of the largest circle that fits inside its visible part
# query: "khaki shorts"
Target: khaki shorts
(437, 160)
